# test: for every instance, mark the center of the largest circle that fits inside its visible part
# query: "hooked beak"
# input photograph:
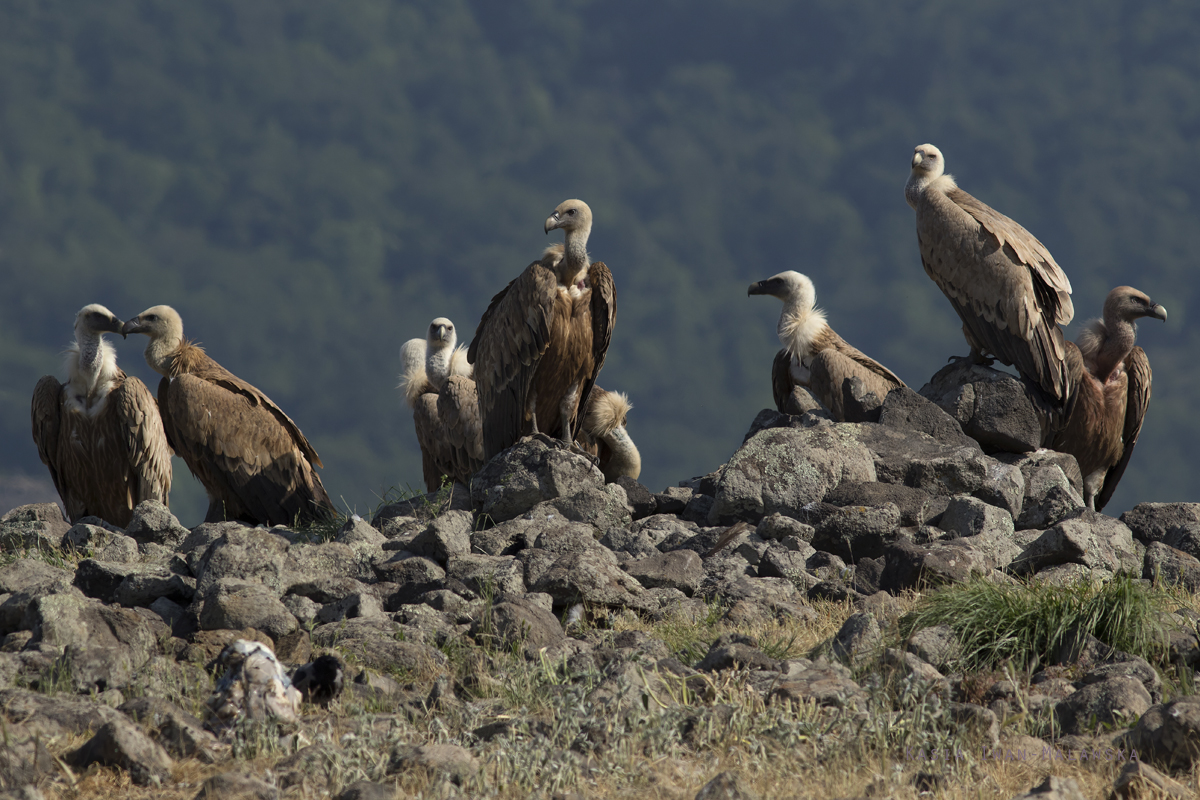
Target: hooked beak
(553, 221)
(769, 286)
(1157, 311)
(132, 326)
(917, 158)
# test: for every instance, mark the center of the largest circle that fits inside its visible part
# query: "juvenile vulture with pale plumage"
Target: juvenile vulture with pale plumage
(413, 353)
(813, 355)
(1110, 380)
(252, 460)
(446, 413)
(603, 434)
(100, 432)
(1006, 287)
(541, 342)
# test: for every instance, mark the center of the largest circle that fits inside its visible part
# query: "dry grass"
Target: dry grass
(637, 751)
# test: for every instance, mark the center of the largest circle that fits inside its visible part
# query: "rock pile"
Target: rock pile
(805, 509)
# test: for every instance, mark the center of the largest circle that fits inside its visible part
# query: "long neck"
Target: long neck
(1122, 335)
(626, 460)
(919, 182)
(576, 253)
(799, 325)
(437, 364)
(92, 366)
(160, 353)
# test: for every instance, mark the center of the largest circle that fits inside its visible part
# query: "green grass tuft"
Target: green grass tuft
(1026, 624)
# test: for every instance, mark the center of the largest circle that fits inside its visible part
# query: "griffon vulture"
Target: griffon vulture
(1003, 282)
(1110, 380)
(413, 353)
(446, 414)
(813, 355)
(100, 432)
(603, 435)
(541, 342)
(251, 458)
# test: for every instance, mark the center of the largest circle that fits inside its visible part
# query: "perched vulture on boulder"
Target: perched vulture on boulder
(604, 436)
(100, 432)
(1110, 379)
(813, 355)
(446, 413)
(541, 342)
(1003, 282)
(251, 458)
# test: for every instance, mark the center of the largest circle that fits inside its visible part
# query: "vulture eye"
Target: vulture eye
(152, 318)
(571, 211)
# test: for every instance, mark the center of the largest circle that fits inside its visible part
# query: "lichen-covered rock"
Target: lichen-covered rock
(180, 733)
(252, 555)
(153, 522)
(1167, 566)
(854, 532)
(105, 645)
(447, 536)
(1053, 487)
(784, 469)
(857, 639)
(120, 744)
(529, 473)
(1092, 540)
(1150, 522)
(234, 605)
(447, 760)
(679, 569)
(994, 408)
(36, 526)
(1108, 702)
(940, 467)
(1168, 736)
(517, 623)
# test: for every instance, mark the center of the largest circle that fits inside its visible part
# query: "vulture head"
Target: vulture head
(441, 334)
(927, 162)
(571, 216)
(96, 319)
(1127, 303)
(791, 287)
(164, 326)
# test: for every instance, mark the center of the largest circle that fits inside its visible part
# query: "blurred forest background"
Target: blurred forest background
(310, 183)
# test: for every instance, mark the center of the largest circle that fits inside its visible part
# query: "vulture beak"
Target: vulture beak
(441, 333)
(918, 157)
(553, 221)
(132, 326)
(763, 287)
(113, 326)
(1157, 311)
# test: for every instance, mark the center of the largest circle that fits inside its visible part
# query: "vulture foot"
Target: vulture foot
(975, 359)
(544, 438)
(579, 451)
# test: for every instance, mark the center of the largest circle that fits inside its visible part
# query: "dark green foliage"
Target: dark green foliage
(310, 183)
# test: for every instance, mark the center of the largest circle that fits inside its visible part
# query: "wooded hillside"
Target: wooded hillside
(309, 184)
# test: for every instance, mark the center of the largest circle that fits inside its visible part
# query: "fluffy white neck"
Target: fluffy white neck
(799, 325)
(91, 370)
(626, 460)
(437, 363)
